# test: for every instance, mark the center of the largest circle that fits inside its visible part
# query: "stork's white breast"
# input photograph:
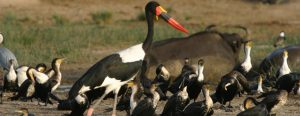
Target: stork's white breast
(132, 54)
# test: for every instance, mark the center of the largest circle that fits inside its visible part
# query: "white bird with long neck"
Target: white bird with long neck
(6, 55)
(284, 69)
(247, 65)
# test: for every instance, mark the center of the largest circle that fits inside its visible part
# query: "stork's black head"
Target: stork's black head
(156, 10)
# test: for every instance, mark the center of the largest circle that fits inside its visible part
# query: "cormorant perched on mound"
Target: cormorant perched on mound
(246, 66)
(227, 89)
(273, 99)
(203, 108)
(176, 103)
(195, 84)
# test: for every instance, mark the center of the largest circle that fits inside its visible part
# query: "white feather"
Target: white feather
(11, 75)
(284, 69)
(79, 99)
(247, 65)
(84, 89)
(132, 54)
(259, 88)
(21, 75)
(200, 74)
(281, 34)
(41, 78)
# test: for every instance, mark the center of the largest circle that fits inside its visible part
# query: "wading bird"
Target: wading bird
(6, 55)
(117, 69)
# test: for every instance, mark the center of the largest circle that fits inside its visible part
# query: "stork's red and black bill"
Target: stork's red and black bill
(163, 14)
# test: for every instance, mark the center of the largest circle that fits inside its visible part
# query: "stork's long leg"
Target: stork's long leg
(91, 109)
(116, 101)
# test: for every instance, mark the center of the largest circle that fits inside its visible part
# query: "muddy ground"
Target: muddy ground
(292, 108)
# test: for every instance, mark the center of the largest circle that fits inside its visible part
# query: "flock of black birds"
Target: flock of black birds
(140, 96)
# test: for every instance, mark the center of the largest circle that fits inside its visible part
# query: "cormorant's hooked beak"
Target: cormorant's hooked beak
(163, 14)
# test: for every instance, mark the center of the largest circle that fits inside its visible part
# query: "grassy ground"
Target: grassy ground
(85, 31)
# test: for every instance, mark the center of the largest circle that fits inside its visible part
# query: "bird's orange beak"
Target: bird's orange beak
(163, 14)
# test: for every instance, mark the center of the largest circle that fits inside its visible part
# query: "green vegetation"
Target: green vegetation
(88, 42)
(101, 17)
(141, 16)
(80, 43)
(59, 20)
